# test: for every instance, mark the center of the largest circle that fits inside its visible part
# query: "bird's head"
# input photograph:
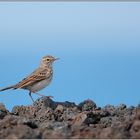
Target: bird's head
(48, 60)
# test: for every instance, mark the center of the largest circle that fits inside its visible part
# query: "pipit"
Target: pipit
(38, 79)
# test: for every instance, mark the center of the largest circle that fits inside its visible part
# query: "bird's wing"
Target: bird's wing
(37, 75)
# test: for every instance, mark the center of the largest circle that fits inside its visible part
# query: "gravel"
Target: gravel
(50, 119)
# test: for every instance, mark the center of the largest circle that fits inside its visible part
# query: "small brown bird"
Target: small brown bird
(38, 79)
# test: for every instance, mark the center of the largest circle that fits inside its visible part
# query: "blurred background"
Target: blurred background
(98, 45)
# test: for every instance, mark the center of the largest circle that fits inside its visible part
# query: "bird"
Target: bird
(38, 79)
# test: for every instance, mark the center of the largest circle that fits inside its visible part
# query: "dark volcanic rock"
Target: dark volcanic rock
(18, 127)
(87, 105)
(50, 119)
(3, 111)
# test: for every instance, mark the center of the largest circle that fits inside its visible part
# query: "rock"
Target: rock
(67, 104)
(87, 105)
(3, 111)
(2, 108)
(114, 133)
(66, 120)
(27, 111)
(21, 132)
(121, 106)
(69, 114)
(92, 118)
(135, 129)
(17, 127)
(45, 102)
(79, 119)
(59, 108)
(54, 129)
(109, 110)
(82, 132)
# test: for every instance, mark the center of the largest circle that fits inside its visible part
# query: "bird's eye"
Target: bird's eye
(48, 59)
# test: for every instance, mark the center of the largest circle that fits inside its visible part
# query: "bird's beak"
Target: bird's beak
(56, 59)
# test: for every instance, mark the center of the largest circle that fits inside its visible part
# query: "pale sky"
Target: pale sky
(97, 43)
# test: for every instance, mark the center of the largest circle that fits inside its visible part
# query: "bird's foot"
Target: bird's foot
(49, 97)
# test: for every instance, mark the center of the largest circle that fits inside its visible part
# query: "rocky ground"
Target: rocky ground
(49, 119)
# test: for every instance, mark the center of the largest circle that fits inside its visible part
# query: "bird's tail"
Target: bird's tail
(7, 88)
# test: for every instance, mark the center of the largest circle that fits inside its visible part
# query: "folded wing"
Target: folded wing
(36, 76)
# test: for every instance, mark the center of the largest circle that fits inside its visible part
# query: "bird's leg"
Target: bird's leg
(39, 94)
(43, 95)
(31, 96)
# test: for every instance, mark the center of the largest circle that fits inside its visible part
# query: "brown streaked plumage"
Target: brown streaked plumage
(38, 79)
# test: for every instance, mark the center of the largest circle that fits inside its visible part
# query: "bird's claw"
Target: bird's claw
(49, 97)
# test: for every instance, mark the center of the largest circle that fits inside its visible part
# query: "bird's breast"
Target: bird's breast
(40, 85)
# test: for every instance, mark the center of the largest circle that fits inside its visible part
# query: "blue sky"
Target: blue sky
(98, 45)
